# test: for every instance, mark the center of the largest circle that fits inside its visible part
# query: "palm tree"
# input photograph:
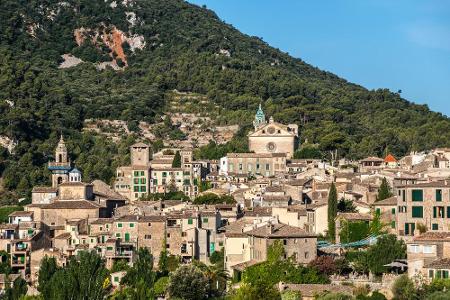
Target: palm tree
(216, 275)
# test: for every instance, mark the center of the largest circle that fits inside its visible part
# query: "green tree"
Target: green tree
(84, 277)
(255, 292)
(19, 288)
(218, 257)
(384, 190)
(47, 269)
(404, 289)
(120, 265)
(163, 259)
(176, 163)
(188, 282)
(141, 277)
(332, 212)
(386, 250)
(346, 206)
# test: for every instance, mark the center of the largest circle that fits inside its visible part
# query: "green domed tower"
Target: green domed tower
(260, 118)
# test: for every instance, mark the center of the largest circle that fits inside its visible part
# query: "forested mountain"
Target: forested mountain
(123, 56)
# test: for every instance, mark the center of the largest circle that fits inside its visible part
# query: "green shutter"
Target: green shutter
(378, 210)
(417, 195)
(438, 195)
(434, 226)
(393, 211)
(448, 211)
(393, 224)
(417, 212)
(190, 221)
(434, 212)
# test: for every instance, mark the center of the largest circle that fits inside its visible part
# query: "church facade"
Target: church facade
(272, 137)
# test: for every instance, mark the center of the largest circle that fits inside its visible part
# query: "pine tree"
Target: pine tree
(332, 211)
(384, 191)
(176, 163)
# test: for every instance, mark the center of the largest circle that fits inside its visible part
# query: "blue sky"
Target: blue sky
(395, 44)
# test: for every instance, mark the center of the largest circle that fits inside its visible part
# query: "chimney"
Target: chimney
(269, 228)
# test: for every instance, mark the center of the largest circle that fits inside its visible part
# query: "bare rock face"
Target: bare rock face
(69, 61)
(114, 39)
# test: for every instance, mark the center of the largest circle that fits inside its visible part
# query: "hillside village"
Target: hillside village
(238, 208)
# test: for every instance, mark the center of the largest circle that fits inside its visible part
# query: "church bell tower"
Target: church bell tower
(61, 166)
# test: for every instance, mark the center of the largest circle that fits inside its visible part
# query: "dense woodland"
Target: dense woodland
(38, 101)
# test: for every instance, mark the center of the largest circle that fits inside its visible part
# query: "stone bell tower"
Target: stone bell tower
(61, 166)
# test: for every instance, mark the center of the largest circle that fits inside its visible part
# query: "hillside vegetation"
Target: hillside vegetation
(134, 53)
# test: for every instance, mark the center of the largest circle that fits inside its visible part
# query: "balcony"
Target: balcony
(20, 247)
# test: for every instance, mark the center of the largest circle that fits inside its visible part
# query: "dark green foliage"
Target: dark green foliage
(332, 212)
(354, 231)
(141, 277)
(277, 269)
(217, 257)
(438, 296)
(182, 46)
(18, 290)
(120, 265)
(384, 191)
(256, 292)
(5, 266)
(188, 282)
(346, 206)
(83, 278)
(47, 269)
(165, 196)
(386, 250)
(307, 151)
(176, 163)
(210, 198)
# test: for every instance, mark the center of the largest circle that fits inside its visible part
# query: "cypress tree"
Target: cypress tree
(176, 163)
(332, 211)
(384, 191)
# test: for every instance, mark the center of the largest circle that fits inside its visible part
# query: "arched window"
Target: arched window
(60, 157)
(60, 180)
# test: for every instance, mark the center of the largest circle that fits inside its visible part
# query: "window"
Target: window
(143, 189)
(393, 224)
(136, 188)
(143, 181)
(118, 235)
(448, 211)
(190, 221)
(414, 248)
(430, 273)
(285, 242)
(438, 195)
(417, 195)
(240, 167)
(168, 235)
(147, 237)
(116, 279)
(444, 273)
(417, 212)
(438, 212)
(136, 173)
(393, 211)
(267, 167)
(119, 225)
(434, 226)
(142, 173)
(149, 224)
(109, 248)
(378, 211)
(427, 249)
(306, 255)
(205, 220)
(131, 225)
